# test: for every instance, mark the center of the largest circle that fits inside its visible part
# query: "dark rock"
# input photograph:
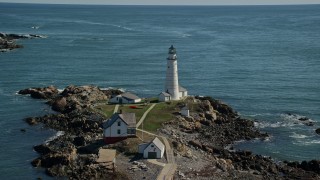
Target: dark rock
(36, 162)
(196, 144)
(79, 141)
(41, 93)
(7, 41)
(318, 131)
(50, 160)
(303, 119)
(42, 149)
(112, 92)
(59, 104)
(31, 120)
(309, 123)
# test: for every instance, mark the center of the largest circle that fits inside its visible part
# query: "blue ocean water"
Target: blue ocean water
(262, 60)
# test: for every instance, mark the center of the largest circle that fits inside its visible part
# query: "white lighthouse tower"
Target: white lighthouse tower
(172, 84)
(173, 91)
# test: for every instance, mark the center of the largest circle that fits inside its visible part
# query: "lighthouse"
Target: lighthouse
(173, 91)
(172, 84)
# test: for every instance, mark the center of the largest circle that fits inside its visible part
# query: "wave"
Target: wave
(59, 133)
(186, 35)
(60, 90)
(306, 143)
(298, 136)
(86, 22)
(278, 124)
(288, 120)
(260, 114)
(294, 117)
(107, 88)
(122, 27)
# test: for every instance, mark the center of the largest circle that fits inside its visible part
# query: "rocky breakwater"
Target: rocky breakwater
(8, 41)
(203, 146)
(73, 154)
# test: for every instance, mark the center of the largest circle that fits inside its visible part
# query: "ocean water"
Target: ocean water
(264, 61)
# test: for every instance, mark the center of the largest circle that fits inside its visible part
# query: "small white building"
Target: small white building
(125, 98)
(184, 111)
(164, 97)
(182, 92)
(119, 127)
(152, 150)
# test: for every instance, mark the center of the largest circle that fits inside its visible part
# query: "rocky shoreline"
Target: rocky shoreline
(200, 141)
(8, 41)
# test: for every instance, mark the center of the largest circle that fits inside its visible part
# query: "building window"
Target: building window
(131, 131)
(152, 145)
(119, 123)
(119, 131)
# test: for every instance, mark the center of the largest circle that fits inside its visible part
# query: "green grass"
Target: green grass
(161, 113)
(141, 108)
(106, 109)
(146, 137)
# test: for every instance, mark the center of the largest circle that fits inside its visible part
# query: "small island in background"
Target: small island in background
(8, 41)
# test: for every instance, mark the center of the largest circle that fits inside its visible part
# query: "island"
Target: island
(8, 41)
(197, 134)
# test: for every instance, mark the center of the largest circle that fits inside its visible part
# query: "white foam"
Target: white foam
(186, 35)
(294, 117)
(260, 114)
(122, 27)
(120, 89)
(59, 133)
(298, 136)
(306, 143)
(87, 22)
(273, 125)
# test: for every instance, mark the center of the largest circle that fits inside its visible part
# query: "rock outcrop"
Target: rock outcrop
(214, 137)
(8, 41)
(49, 92)
(65, 155)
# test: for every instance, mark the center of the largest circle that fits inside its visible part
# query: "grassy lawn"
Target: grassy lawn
(141, 108)
(161, 113)
(146, 137)
(106, 109)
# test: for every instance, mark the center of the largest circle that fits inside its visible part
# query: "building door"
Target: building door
(152, 155)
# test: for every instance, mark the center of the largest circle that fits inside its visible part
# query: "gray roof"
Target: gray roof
(158, 143)
(165, 94)
(129, 96)
(128, 118)
(182, 89)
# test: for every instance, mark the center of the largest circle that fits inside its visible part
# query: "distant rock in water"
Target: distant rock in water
(7, 41)
(49, 92)
(318, 131)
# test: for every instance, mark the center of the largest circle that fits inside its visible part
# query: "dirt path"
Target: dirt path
(116, 108)
(145, 114)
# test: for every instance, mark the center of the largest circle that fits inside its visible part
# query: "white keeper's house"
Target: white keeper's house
(119, 127)
(152, 150)
(125, 98)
